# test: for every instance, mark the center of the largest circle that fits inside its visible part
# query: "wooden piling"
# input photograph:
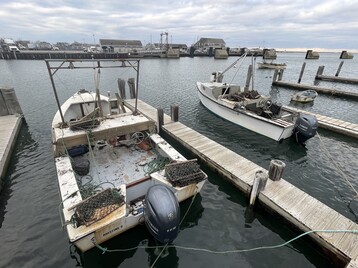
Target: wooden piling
(339, 68)
(248, 78)
(275, 75)
(174, 112)
(280, 74)
(276, 170)
(160, 119)
(301, 73)
(320, 70)
(9, 103)
(259, 184)
(122, 88)
(131, 83)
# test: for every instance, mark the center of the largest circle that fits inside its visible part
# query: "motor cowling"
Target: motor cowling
(162, 213)
(305, 128)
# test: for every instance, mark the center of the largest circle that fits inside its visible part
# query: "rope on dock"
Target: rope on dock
(104, 250)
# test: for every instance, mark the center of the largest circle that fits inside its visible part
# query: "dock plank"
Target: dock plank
(333, 124)
(10, 126)
(294, 205)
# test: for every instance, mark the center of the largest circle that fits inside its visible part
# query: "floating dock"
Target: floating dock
(336, 78)
(277, 81)
(10, 126)
(333, 124)
(296, 207)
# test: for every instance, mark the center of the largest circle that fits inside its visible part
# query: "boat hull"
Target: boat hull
(246, 119)
(123, 224)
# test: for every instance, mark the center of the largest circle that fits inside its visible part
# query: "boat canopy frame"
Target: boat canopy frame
(54, 65)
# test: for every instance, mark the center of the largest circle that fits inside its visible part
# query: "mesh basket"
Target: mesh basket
(98, 206)
(184, 173)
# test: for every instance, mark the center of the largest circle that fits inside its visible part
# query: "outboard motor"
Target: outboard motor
(162, 213)
(305, 128)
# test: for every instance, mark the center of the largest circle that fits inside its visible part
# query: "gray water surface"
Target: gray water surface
(30, 228)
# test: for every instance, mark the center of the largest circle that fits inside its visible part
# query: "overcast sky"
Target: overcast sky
(329, 24)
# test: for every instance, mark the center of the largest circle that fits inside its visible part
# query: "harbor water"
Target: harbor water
(31, 234)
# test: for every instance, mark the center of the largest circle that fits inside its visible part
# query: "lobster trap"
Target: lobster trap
(98, 206)
(184, 173)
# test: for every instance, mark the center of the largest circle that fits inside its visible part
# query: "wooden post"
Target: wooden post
(339, 68)
(174, 112)
(120, 102)
(8, 97)
(160, 114)
(122, 88)
(258, 185)
(275, 75)
(276, 170)
(320, 70)
(301, 73)
(131, 83)
(280, 74)
(248, 78)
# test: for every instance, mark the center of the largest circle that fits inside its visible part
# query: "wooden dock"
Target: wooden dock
(333, 124)
(10, 126)
(280, 197)
(277, 81)
(336, 78)
(321, 90)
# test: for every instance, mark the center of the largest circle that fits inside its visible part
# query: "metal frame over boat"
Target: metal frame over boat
(252, 110)
(114, 170)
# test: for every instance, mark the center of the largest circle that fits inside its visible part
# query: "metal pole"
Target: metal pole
(55, 92)
(136, 94)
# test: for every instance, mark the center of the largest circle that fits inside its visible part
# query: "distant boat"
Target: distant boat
(271, 65)
(270, 54)
(254, 111)
(304, 96)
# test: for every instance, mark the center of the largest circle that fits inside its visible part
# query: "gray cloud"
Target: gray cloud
(329, 24)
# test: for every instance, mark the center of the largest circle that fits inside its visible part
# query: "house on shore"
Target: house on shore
(113, 45)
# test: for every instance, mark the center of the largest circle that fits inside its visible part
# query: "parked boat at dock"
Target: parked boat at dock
(304, 96)
(254, 111)
(114, 170)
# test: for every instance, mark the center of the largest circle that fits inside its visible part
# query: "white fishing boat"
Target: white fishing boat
(254, 111)
(114, 170)
(304, 96)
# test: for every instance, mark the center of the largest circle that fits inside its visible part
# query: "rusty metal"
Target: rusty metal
(97, 207)
(184, 173)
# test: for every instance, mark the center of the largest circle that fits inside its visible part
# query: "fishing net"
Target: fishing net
(98, 206)
(184, 173)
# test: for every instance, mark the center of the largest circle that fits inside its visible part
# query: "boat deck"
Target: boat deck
(109, 128)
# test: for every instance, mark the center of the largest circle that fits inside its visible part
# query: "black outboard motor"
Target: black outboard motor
(162, 213)
(305, 128)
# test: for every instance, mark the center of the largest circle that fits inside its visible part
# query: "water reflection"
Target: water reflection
(25, 141)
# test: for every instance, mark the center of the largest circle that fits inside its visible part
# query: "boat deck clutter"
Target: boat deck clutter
(114, 170)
